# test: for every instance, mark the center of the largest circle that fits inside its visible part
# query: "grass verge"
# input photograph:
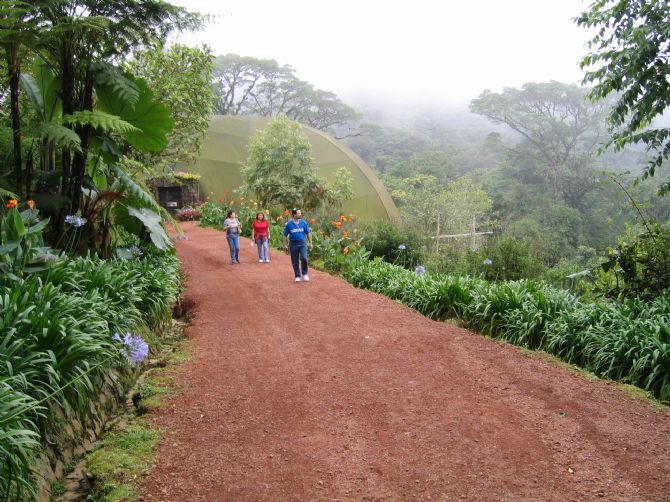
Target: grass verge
(125, 454)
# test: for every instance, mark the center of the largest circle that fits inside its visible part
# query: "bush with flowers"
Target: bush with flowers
(189, 214)
(337, 243)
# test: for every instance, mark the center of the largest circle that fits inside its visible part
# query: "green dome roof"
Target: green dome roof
(225, 152)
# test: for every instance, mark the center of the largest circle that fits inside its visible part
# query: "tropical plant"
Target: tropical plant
(280, 170)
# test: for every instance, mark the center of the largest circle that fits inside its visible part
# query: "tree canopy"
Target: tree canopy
(280, 169)
(561, 129)
(251, 86)
(629, 58)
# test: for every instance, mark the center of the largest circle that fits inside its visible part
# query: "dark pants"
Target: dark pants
(298, 251)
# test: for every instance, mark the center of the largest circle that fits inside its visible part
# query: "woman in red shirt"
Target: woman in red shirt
(260, 234)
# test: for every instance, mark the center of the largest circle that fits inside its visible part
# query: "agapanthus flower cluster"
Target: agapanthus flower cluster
(488, 261)
(135, 250)
(420, 270)
(402, 247)
(135, 347)
(75, 221)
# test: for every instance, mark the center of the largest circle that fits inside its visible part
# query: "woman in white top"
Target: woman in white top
(233, 228)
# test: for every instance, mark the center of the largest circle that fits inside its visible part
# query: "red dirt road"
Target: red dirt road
(322, 392)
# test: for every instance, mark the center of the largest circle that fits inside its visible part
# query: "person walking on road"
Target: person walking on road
(297, 234)
(233, 228)
(260, 234)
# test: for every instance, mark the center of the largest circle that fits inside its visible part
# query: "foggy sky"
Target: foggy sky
(447, 50)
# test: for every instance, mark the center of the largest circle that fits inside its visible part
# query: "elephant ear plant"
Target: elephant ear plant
(22, 249)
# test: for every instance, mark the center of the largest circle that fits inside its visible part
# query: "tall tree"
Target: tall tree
(630, 58)
(180, 77)
(561, 130)
(17, 28)
(280, 169)
(246, 85)
(80, 38)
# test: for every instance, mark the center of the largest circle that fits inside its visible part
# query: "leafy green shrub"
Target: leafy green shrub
(393, 243)
(57, 345)
(505, 258)
(642, 261)
(212, 214)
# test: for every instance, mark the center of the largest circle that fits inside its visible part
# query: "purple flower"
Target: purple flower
(74, 220)
(135, 251)
(488, 261)
(135, 347)
(402, 247)
(420, 270)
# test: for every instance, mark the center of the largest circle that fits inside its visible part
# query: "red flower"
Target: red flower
(12, 203)
(287, 213)
(312, 221)
(220, 199)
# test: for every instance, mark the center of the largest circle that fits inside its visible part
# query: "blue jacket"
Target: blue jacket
(296, 231)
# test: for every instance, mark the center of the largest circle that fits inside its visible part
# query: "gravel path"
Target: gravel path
(322, 392)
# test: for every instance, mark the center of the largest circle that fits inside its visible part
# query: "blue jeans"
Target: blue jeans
(298, 251)
(263, 248)
(234, 243)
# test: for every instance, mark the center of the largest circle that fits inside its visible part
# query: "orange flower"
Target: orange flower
(346, 250)
(312, 221)
(232, 202)
(287, 213)
(320, 232)
(338, 225)
(12, 203)
(220, 199)
(343, 218)
(345, 234)
(31, 203)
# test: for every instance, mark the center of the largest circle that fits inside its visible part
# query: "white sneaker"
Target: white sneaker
(267, 261)
(260, 261)
(297, 279)
(305, 278)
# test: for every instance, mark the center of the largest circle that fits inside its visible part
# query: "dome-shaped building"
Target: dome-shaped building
(225, 151)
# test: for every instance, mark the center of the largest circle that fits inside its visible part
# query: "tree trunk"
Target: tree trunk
(67, 79)
(14, 73)
(80, 158)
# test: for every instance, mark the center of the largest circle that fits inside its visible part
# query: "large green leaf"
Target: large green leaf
(152, 118)
(43, 89)
(124, 183)
(152, 221)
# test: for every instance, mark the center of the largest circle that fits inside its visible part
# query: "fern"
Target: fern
(110, 76)
(59, 135)
(124, 183)
(101, 121)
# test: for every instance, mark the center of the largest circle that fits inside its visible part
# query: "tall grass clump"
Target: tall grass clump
(61, 334)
